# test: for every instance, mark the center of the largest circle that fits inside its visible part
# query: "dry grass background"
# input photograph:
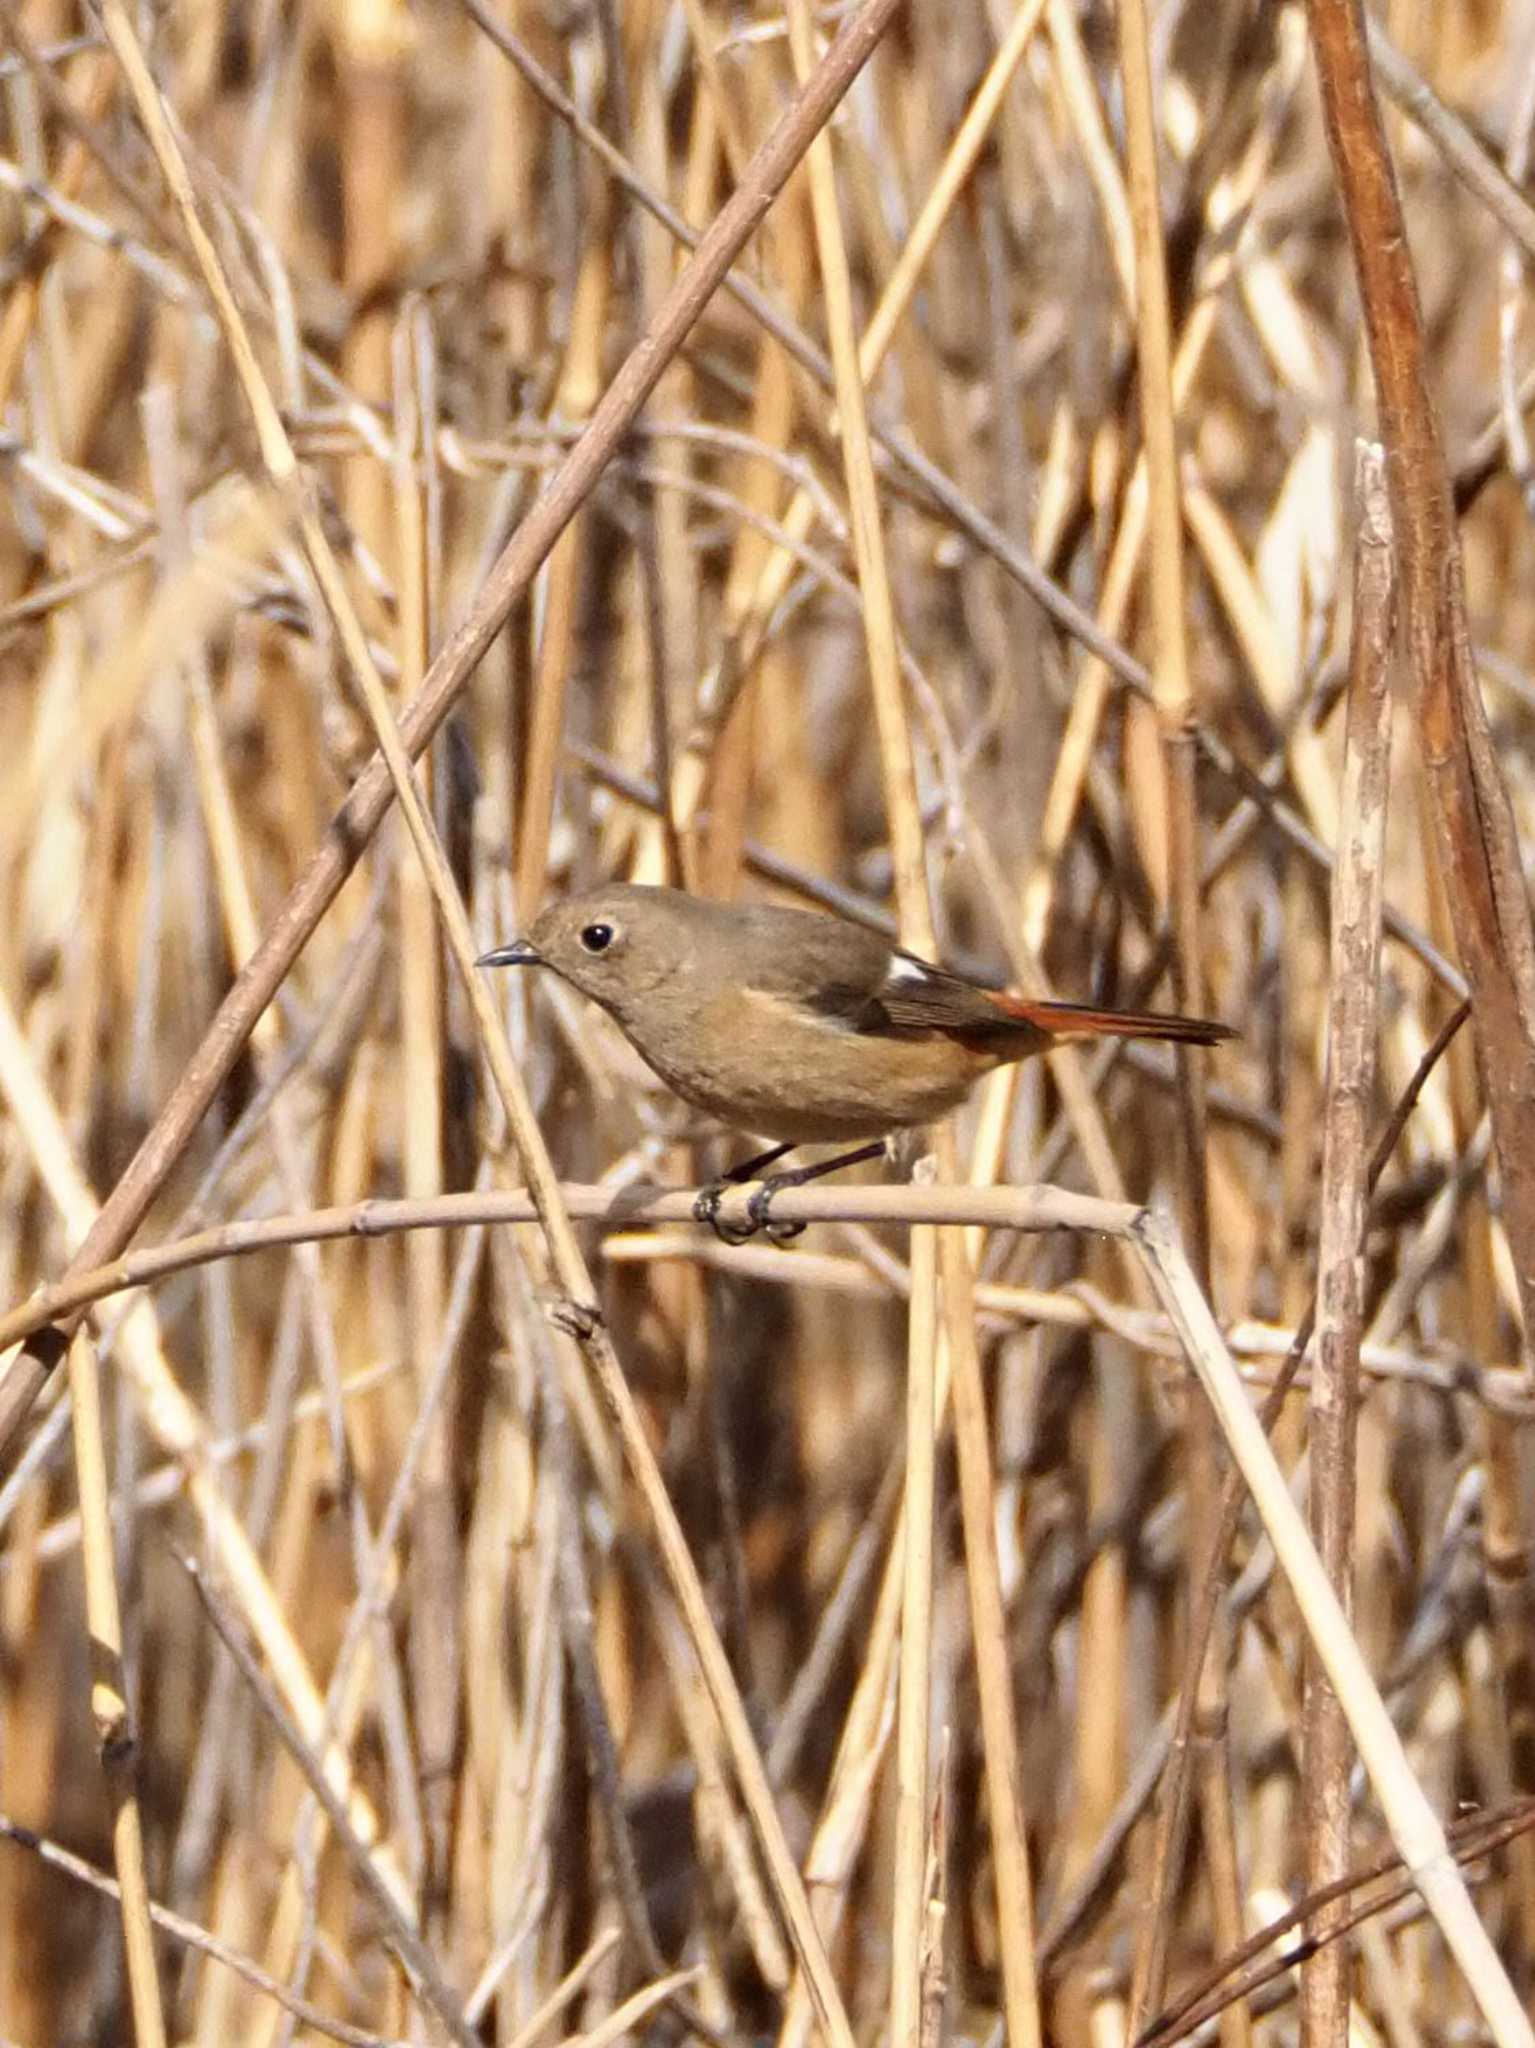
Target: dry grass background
(391, 1435)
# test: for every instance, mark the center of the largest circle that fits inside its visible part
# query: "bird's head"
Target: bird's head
(613, 943)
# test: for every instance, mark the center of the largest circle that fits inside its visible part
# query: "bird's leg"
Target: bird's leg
(706, 1209)
(797, 1177)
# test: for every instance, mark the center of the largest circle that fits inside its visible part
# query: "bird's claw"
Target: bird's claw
(706, 1209)
(778, 1232)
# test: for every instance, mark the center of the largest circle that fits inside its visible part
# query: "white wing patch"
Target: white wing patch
(903, 968)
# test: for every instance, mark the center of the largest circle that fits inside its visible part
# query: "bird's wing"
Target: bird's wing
(881, 991)
(858, 982)
(913, 996)
(917, 996)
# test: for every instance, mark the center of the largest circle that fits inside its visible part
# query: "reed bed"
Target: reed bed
(445, 1594)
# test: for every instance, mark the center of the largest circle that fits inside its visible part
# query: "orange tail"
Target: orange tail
(1080, 1020)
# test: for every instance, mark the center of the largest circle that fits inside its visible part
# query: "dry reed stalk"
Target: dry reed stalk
(115, 1735)
(1332, 1412)
(436, 1651)
(560, 593)
(1477, 841)
(1169, 827)
(988, 1620)
(914, 925)
(1477, 844)
(914, 1704)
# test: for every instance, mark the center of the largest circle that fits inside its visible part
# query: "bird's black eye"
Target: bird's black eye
(597, 938)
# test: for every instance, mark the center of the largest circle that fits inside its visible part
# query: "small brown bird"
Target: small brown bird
(797, 1025)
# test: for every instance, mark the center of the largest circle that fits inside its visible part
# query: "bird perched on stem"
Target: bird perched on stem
(796, 1025)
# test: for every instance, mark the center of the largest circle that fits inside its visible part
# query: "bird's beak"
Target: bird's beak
(518, 954)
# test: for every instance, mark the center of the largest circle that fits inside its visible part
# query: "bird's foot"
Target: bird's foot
(706, 1209)
(775, 1229)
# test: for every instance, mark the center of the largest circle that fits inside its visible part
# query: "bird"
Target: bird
(797, 1025)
